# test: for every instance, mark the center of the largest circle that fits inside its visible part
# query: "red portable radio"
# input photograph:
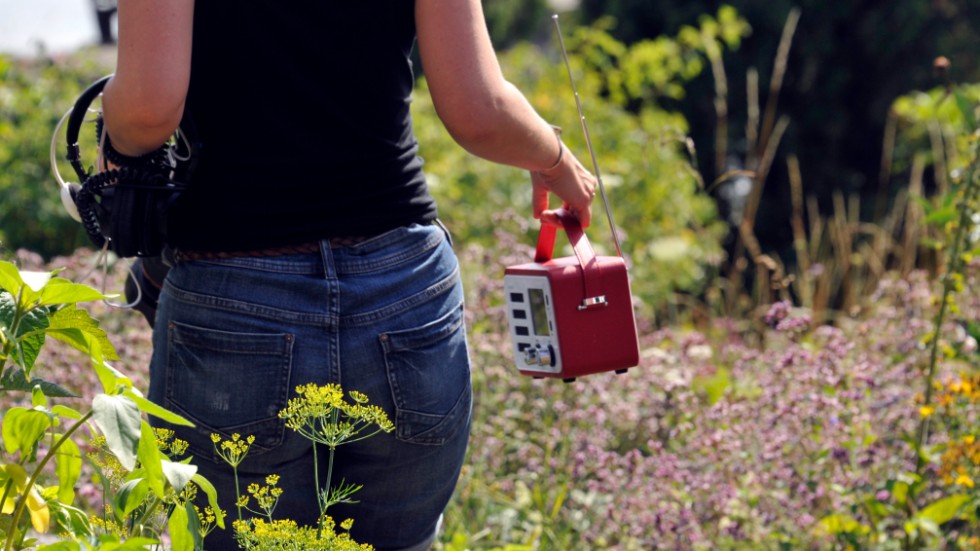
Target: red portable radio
(572, 316)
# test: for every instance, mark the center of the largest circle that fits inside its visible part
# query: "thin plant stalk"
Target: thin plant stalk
(22, 502)
(954, 265)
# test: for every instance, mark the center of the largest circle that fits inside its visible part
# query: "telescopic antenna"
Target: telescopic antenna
(588, 139)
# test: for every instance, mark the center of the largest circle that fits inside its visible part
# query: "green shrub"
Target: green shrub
(34, 94)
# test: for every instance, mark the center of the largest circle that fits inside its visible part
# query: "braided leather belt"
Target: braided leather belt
(302, 248)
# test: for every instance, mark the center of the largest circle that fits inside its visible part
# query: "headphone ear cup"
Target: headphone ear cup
(68, 193)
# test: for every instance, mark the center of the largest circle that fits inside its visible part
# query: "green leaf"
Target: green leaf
(944, 510)
(130, 496)
(119, 420)
(840, 524)
(23, 428)
(10, 279)
(941, 217)
(150, 457)
(205, 484)
(28, 335)
(155, 410)
(713, 387)
(70, 520)
(38, 399)
(36, 281)
(178, 474)
(180, 536)
(65, 411)
(14, 379)
(68, 467)
(111, 378)
(77, 328)
(967, 109)
(62, 291)
(60, 546)
(900, 492)
(194, 525)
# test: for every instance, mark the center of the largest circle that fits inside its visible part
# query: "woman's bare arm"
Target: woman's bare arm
(144, 101)
(485, 113)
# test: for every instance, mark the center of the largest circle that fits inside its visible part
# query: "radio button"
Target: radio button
(546, 356)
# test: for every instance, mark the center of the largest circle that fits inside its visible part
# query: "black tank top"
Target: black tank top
(302, 109)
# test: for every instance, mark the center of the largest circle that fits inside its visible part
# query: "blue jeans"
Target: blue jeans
(235, 337)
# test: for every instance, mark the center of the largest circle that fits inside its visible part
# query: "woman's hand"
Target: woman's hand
(571, 182)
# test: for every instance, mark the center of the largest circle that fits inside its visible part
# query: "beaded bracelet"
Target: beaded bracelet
(109, 153)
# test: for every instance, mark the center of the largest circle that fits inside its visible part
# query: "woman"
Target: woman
(308, 248)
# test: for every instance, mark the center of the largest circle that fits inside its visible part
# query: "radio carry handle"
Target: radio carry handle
(593, 297)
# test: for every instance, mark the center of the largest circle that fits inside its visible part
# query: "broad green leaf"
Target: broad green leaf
(111, 378)
(14, 379)
(65, 411)
(70, 520)
(36, 281)
(68, 467)
(62, 291)
(22, 428)
(150, 457)
(119, 420)
(155, 410)
(93, 338)
(180, 536)
(178, 474)
(131, 495)
(10, 279)
(28, 335)
(212, 494)
(944, 510)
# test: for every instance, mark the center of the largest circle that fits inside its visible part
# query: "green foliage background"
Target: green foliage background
(34, 95)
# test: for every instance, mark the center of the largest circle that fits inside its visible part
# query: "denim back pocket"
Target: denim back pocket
(228, 383)
(429, 373)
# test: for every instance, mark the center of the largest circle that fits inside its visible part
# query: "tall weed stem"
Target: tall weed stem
(953, 268)
(22, 502)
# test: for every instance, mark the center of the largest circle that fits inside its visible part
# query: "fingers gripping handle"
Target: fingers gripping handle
(591, 272)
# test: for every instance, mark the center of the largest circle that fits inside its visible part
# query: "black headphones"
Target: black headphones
(125, 209)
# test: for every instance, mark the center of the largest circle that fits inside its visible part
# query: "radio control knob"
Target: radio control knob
(546, 356)
(531, 356)
(552, 358)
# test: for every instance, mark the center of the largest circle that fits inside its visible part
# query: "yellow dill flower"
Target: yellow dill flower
(926, 411)
(964, 480)
(347, 524)
(969, 439)
(232, 451)
(321, 414)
